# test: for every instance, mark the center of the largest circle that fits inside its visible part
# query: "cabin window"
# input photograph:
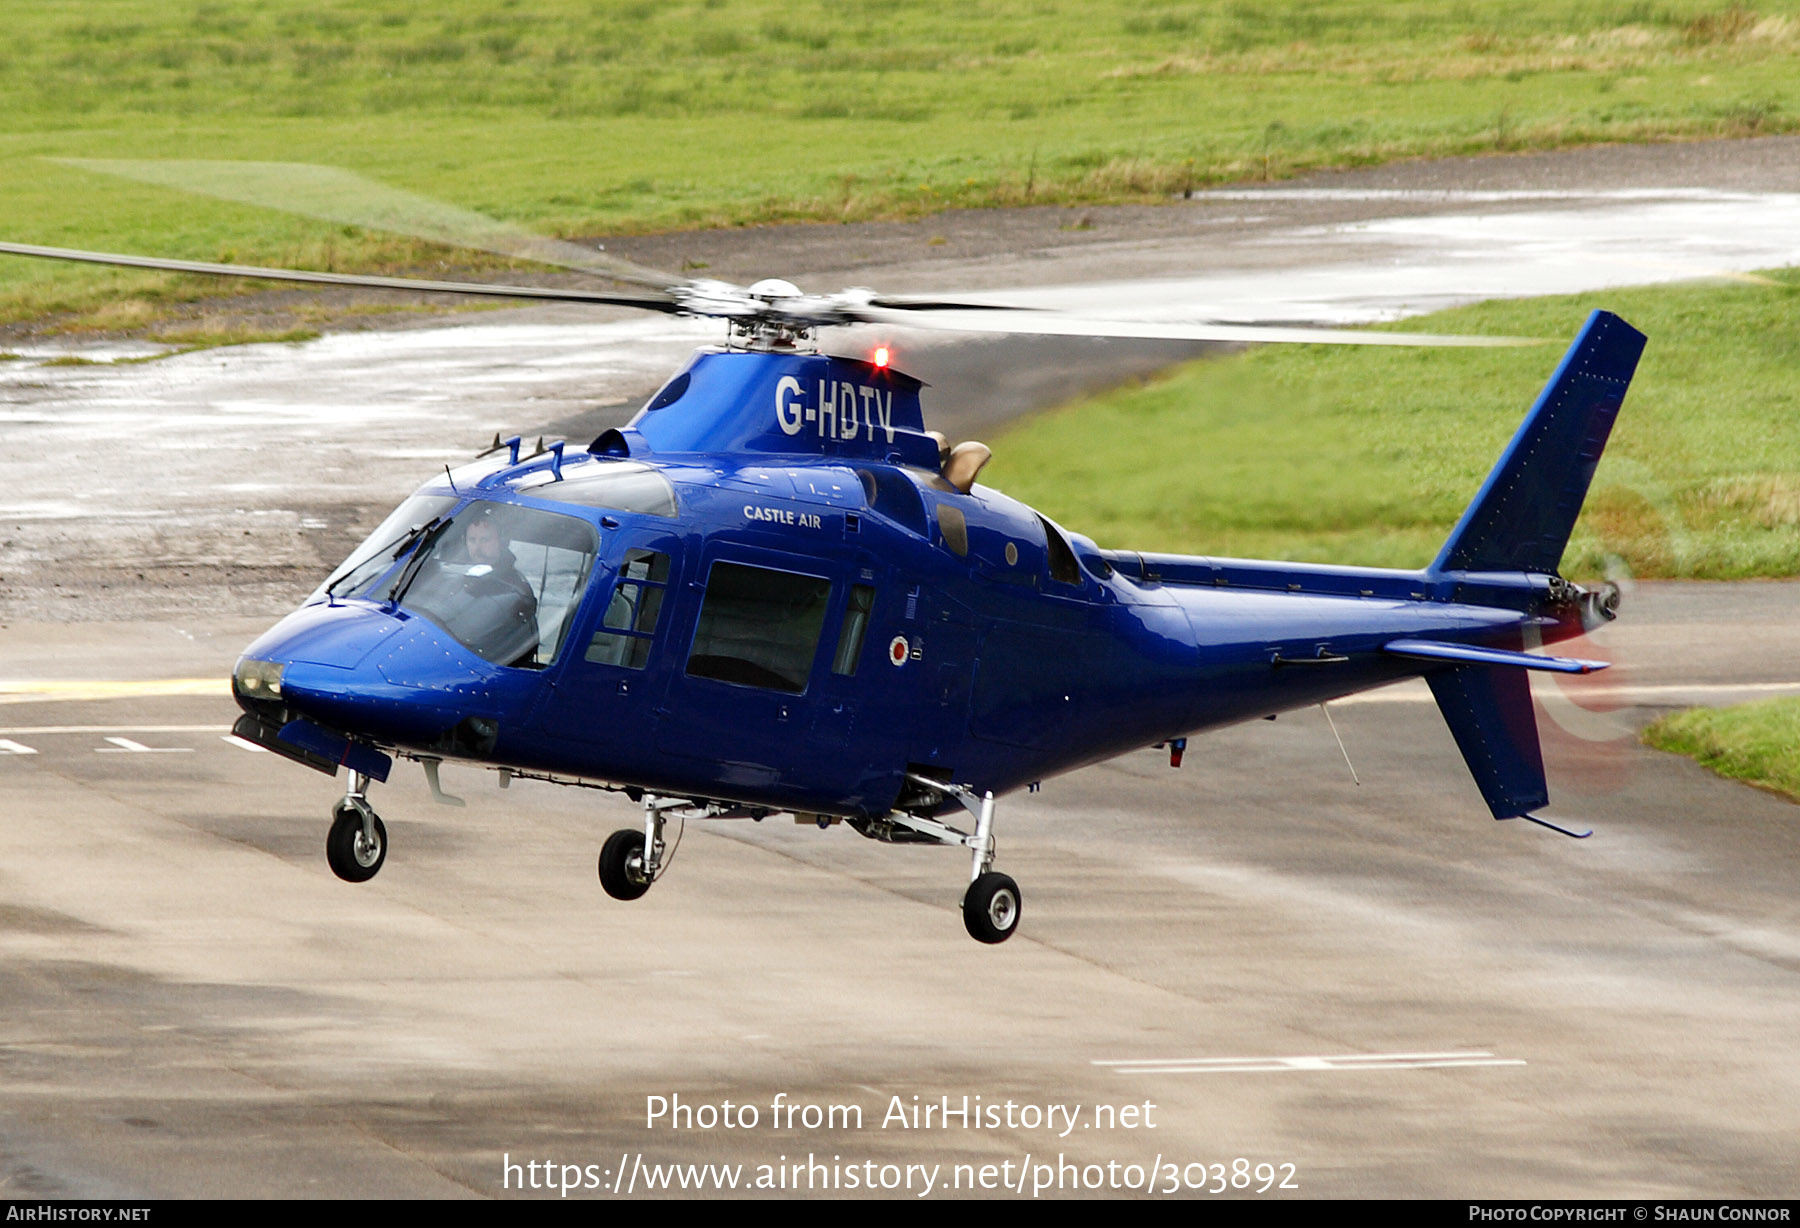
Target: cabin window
(632, 611)
(852, 630)
(759, 627)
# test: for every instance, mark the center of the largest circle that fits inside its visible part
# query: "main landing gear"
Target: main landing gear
(357, 844)
(993, 903)
(632, 859)
(990, 908)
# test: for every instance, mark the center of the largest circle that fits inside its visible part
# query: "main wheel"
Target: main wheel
(991, 908)
(622, 865)
(353, 856)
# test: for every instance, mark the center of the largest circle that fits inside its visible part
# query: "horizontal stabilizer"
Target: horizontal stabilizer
(1469, 654)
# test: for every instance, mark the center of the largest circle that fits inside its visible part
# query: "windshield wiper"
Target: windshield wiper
(399, 548)
(424, 535)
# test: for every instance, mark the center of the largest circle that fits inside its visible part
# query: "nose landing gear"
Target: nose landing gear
(622, 871)
(633, 858)
(357, 844)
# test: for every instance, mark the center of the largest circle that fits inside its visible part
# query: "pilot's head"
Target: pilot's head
(483, 541)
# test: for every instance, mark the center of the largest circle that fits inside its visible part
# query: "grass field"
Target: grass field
(1369, 455)
(585, 118)
(1755, 743)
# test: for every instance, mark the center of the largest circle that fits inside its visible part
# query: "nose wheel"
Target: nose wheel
(633, 858)
(357, 843)
(622, 865)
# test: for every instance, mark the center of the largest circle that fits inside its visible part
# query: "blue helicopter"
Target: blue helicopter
(775, 591)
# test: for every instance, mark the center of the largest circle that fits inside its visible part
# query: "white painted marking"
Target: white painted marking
(1331, 1062)
(127, 746)
(9, 747)
(231, 739)
(1471, 195)
(1415, 692)
(28, 730)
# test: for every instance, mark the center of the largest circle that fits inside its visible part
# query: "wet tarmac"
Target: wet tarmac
(1371, 989)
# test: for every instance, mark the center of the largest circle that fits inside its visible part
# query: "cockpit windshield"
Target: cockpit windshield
(504, 580)
(371, 560)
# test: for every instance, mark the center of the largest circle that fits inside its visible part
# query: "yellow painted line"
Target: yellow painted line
(45, 691)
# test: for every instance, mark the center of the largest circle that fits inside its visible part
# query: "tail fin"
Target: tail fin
(1488, 709)
(1522, 516)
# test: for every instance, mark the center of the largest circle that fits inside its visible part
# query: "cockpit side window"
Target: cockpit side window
(759, 627)
(632, 612)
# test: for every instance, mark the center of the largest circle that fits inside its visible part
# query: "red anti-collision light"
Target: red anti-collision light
(881, 356)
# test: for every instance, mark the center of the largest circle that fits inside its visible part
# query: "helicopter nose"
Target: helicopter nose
(371, 674)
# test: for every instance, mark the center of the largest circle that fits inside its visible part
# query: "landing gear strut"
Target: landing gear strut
(357, 844)
(632, 859)
(992, 904)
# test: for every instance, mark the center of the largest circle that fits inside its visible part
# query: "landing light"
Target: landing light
(259, 678)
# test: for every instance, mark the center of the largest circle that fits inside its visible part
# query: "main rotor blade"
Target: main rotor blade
(646, 302)
(1059, 324)
(333, 194)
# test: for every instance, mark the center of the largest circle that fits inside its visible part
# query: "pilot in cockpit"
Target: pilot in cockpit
(493, 578)
(487, 548)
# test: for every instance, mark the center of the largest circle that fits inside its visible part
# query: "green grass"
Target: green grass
(1756, 743)
(1368, 456)
(584, 118)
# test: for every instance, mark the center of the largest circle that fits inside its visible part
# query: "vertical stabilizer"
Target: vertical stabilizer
(1488, 709)
(1522, 517)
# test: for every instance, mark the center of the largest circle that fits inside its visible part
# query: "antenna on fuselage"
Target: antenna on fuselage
(1340, 741)
(511, 444)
